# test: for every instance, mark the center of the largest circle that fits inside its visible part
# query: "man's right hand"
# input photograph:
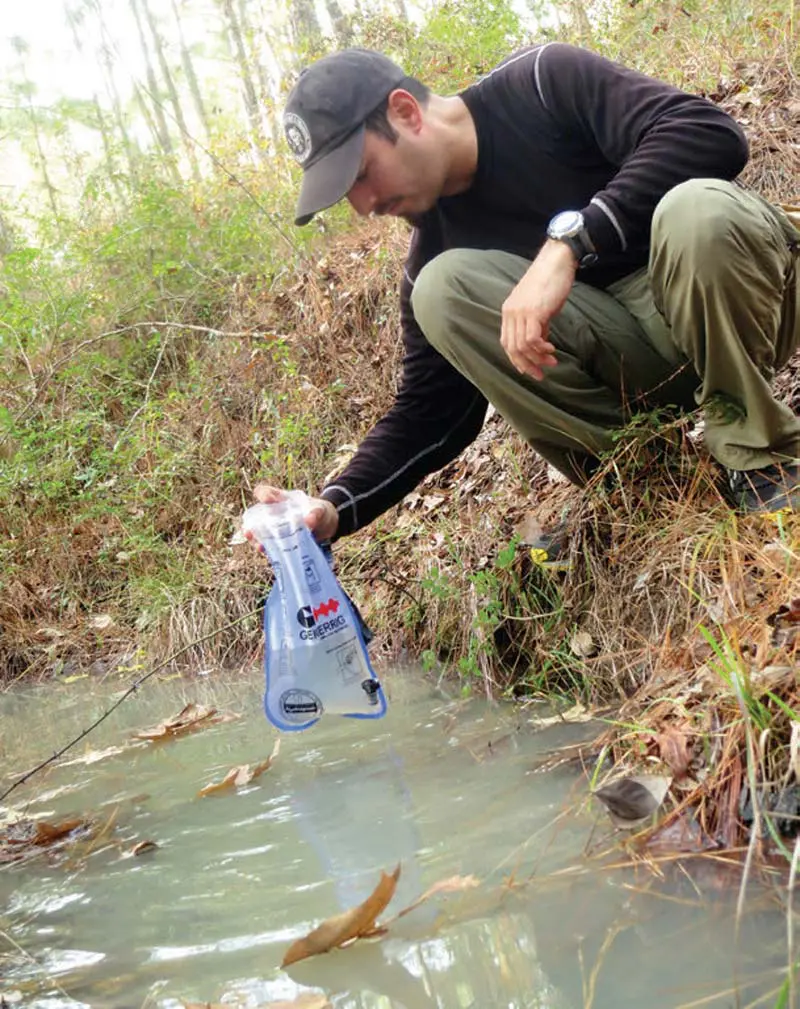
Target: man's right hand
(322, 518)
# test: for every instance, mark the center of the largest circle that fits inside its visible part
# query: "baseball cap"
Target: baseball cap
(324, 122)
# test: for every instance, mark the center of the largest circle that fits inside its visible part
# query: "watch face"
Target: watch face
(566, 224)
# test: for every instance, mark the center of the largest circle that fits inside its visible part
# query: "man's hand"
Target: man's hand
(527, 311)
(322, 518)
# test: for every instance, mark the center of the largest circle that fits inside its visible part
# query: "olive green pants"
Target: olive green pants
(708, 323)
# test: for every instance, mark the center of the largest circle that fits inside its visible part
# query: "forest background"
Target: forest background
(168, 339)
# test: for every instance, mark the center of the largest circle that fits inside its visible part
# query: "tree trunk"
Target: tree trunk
(75, 19)
(191, 76)
(131, 149)
(26, 90)
(248, 88)
(172, 91)
(162, 130)
(342, 28)
(305, 25)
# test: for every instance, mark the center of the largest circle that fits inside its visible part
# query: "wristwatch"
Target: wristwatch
(570, 228)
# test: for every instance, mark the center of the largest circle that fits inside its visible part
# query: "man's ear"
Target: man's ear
(404, 111)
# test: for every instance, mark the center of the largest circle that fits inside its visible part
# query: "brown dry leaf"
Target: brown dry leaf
(454, 884)
(142, 846)
(343, 928)
(243, 774)
(675, 750)
(192, 717)
(46, 833)
(632, 801)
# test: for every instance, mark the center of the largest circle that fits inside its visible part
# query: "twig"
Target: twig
(31, 959)
(132, 689)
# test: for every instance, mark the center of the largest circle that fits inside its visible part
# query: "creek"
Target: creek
(443, 785)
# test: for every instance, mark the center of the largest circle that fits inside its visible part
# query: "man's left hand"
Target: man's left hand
(527, 311)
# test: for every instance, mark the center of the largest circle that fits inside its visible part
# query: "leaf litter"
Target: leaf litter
(241, 775)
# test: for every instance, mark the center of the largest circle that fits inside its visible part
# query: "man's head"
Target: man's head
(353, 121)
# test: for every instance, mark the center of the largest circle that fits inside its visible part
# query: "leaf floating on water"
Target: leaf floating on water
(192, 717)
(23, 837)
(142, 846)
(343, 928)
(632, 801)
(243, 774)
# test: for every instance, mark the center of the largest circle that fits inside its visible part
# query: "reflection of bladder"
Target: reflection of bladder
(359, 820)
(478, 964)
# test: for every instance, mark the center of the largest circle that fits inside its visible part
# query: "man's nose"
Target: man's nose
(361, 199)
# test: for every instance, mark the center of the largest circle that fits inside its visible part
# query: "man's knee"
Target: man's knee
(435, 296)
(696, 217)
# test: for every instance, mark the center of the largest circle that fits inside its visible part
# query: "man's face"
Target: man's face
(402, 179)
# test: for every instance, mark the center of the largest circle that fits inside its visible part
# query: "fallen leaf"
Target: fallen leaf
(529, 530)
(188, 719)
(675, 750)
(632, 801)
(142, 846)
(583, 645)
(344, 928)
(454, 884)
(101, 622)
(243, 774)
(46, 833)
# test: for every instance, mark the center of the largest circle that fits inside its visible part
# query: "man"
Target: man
(579, 253)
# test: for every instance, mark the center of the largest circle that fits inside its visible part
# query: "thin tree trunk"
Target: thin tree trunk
(172, 91)
(248, 88)
(74, 18)
(131, 149)
(191, 77)
(48, 184)
(305, 26)
(342, 28)
(162, 130)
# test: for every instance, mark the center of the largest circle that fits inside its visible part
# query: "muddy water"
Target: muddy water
(442, 786)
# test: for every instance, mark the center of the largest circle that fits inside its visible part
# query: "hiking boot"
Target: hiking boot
(766, 490)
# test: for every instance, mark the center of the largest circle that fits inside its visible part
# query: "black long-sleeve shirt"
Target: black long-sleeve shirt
(558, 128)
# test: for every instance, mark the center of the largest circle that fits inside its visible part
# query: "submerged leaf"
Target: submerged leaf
(577, 713)
(243, 774)
(454, 884)
(343, 928)
(632, 801)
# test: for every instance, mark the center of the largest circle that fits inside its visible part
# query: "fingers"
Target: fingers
(525, 341)
(323, 519)
(264, 493)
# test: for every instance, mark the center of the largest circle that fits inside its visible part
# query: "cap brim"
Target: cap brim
(329, 179)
